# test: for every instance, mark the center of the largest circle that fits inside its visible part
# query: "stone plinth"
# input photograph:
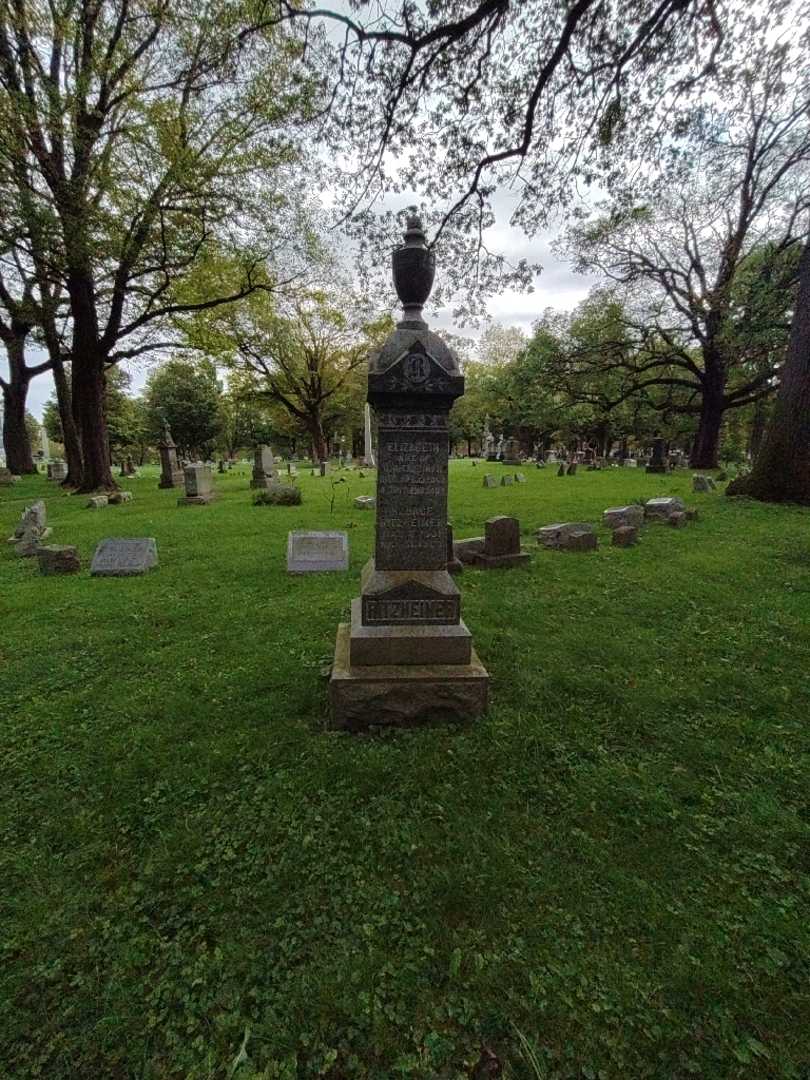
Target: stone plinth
(407, 655)
(402, 694)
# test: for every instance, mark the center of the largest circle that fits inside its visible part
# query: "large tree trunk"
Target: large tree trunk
(16, 442)
(88, 407)
(706, 445)
(70, 435)
(318, 437)
(781, 470)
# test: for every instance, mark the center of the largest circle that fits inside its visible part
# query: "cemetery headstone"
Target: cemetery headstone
(511, 452)
(117, 557)
(703, 483)
(618, 516)
(678, 519)
(119, 497)
(264, 470)
(507, 480)
(502, 545)
(171, 475)
(467, 551)
(561, 470)
(520, 478)
(317, 552)
(365, 502)
(658, 462)
(97, 502)
(31, 530)
(572, 469)
(565, 535)
(6, 477)
(625, 536)
(407, 655)
(199, 482)
(661, 509)
(490, 481)
(57, 471)
(58, 560)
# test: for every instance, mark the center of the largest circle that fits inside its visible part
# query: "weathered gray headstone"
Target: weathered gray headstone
(6, 477)
(661, 508)
(97, 502)
(618, 516)
(520, 478)
(507, 480)
(317, 552)
(31, 531)
(703, 483)
(559, 536)
(58, 560)
(119, 497)
(199, 481)
(678, 519)
(264, 470)
(490, 481)
(118, 557)
(57, 471)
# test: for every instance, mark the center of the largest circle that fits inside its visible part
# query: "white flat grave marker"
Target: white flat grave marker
(317, 552)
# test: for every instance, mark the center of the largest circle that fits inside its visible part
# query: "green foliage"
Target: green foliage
(280, 495)
(187, 396)
(605, 876)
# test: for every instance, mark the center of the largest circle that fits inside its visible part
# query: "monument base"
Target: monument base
(657, 469)
(177, 479)
(361, 697)
(375, 646)
(266, 484)
(196, 500)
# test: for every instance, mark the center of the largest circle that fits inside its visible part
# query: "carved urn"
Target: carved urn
(414, 267)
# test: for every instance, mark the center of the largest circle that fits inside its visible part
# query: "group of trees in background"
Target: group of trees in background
(155, 165)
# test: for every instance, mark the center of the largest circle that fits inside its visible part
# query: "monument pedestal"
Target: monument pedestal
(363, 696)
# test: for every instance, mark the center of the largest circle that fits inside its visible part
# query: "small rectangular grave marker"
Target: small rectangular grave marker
(317, 552)
(116, 557)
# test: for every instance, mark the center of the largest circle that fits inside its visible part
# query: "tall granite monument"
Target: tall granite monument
(407, 655)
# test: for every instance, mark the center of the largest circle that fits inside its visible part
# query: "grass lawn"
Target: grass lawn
(608, 876)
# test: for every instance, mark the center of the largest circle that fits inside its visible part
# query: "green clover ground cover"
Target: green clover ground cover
(605, 877)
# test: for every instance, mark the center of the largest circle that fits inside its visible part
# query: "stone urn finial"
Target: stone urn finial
(414, 267)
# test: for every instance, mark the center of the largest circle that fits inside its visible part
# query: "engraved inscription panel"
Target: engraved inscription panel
(400, 611)
(412, 497)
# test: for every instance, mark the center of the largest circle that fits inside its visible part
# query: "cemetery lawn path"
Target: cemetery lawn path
(606, 877)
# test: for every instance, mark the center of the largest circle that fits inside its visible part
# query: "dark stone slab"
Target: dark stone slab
(502, 536)
(117, 557)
